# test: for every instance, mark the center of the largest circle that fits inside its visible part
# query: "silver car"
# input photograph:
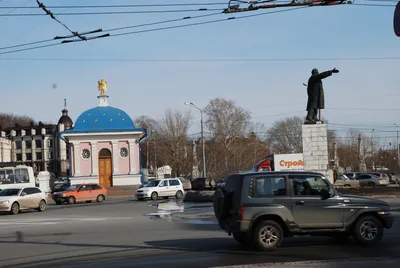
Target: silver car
(14, 200)
(344, 181)
(368, 180)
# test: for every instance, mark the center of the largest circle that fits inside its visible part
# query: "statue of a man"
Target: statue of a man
(315, 92)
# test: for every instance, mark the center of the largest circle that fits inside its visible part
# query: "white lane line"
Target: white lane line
(36, 222)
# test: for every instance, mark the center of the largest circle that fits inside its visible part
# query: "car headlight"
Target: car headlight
(64, 195)
(4, 202)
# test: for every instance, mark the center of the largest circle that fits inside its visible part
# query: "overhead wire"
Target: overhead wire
(155, 29)
(113, 12)
(81, 36)
(121, 28)
(148, 30)
(124, 5)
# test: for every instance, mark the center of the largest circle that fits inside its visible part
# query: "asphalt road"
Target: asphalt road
(118, 234)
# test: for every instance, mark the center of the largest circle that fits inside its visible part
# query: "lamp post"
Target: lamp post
(397, 145)
(191, 104)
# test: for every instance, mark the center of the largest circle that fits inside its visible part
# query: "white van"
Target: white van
(17, 176)
(161, 188)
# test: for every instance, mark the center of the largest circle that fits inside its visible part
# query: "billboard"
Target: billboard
(284, 162)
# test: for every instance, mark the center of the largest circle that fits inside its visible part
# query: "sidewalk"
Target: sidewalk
(387, 262)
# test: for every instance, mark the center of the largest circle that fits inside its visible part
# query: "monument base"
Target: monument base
(315, 149)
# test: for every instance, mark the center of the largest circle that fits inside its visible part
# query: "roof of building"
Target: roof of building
(66, 120)
(103, 119)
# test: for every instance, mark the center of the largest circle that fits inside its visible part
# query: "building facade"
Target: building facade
(5, 150)
(38, 146)
(104, 146)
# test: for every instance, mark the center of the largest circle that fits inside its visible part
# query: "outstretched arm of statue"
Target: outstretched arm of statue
(325, 74)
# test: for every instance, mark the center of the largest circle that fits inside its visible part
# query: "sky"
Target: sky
(288, 45)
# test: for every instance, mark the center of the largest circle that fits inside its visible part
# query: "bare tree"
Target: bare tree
(148, 151)
(173, 130)
(227, 122)
(285, 136)
(11, 120)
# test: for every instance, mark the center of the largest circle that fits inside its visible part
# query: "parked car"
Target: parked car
(344, 181)
(14, 200)
(187, 185)
(200, 184)
(383, 178)
(396, 178)
(262, 208)
(161, 188)
(352, 175)
(219, 184)
(81, 193)
(368, 180)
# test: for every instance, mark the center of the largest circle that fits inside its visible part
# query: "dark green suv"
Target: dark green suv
(262, 208)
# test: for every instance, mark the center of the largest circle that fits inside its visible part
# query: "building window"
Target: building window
(28, 157)
(28, 144)
(50, 155)
(85, 154)
(123, 152)
(38, 156)
(38, 143)
(50, 143)
(18, 144)
(19, 157)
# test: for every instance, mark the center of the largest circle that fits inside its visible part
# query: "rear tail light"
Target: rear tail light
(241, 212)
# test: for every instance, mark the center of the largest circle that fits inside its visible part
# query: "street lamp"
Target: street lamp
(191, 104)
(397, 145)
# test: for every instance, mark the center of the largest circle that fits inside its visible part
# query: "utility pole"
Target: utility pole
(398, 149)
(359, 152)
(372, 149)
(191, 104)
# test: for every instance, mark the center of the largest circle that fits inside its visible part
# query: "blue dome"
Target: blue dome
(103, 118)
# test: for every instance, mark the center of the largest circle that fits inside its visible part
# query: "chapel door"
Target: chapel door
(105, 168)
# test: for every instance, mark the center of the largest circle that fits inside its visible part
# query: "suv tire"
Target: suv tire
(368, 231)
(268, 235)
(221, 204)
(243, 237)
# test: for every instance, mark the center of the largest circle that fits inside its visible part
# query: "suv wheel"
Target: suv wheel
(368, 231)
(268, 235)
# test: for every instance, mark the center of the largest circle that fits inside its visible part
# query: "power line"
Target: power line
(81, 36)
(120, 28)
(154, 29)
(198, 60)
(124, 5)
(112, 12)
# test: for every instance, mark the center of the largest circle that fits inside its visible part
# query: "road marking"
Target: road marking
(49, 221)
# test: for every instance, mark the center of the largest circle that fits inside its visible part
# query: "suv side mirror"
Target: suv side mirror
(325, 194)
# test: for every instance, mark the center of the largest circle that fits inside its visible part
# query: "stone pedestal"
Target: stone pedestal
(315, 149)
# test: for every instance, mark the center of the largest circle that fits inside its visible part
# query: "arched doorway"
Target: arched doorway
(105, 168)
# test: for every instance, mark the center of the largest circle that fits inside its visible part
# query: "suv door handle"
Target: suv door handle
(299, 202)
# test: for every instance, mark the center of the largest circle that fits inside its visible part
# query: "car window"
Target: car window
(96, 187)
(309, 186)
(32, 190)
(174, 183)
(85, 188)
(268, 186)
(163, 183)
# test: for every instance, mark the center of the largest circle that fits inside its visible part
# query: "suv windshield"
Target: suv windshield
(9, 192)
(154, 183)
